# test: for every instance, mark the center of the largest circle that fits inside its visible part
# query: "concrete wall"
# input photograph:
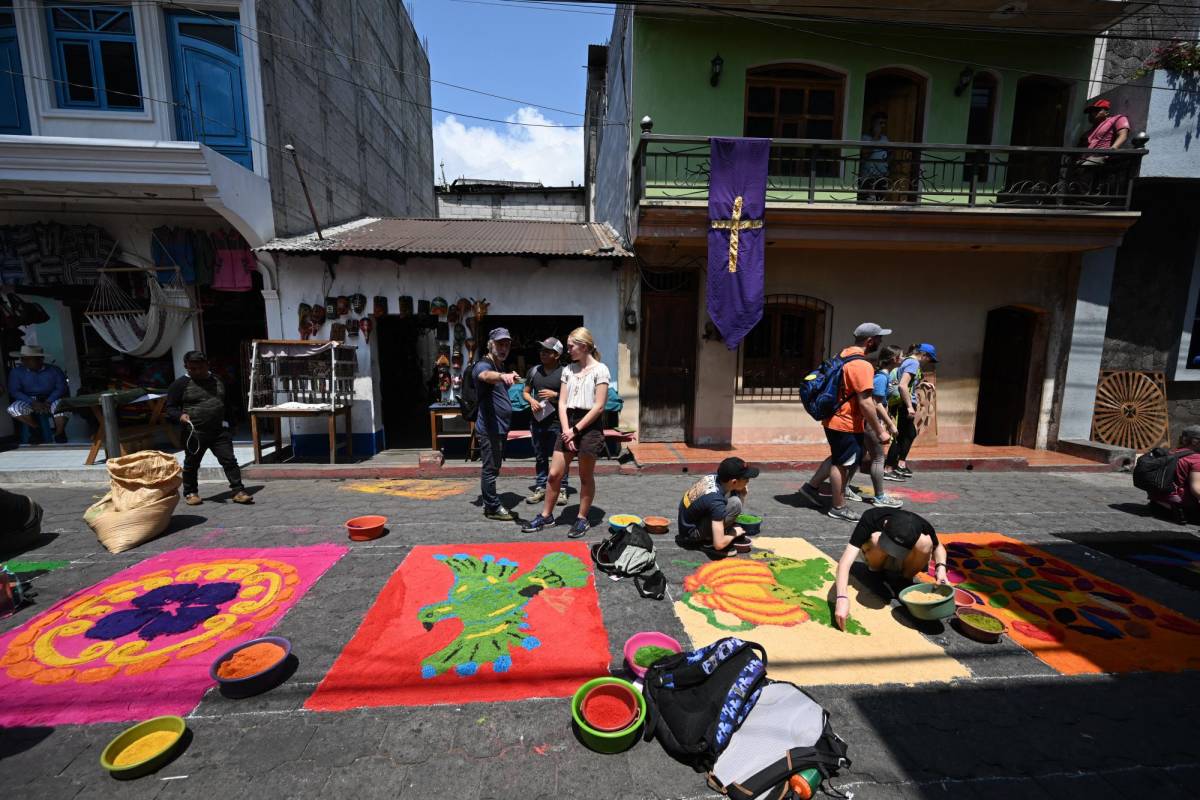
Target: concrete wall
(552, 205)
(512, 285)
(611, 186)
(1136, 37)
(367, 150)
(936, 297)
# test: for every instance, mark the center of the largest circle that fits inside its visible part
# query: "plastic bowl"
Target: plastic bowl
(978, 634)
(618, 521)
(939, 609)
(615, 698)
(170, 724)
(251, 684)
(601, 741)
(750, 523)
(362, 529)
(742, 544)
(647, 639)
(657, 524)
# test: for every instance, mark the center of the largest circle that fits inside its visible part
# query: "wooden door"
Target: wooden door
(1004, 376)
(668, 365)
(901, 96)
(1039, 120)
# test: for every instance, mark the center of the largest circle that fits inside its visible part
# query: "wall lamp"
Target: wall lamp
(964, 81)
(717, 64)
(647, 124)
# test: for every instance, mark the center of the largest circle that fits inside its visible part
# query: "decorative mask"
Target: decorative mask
(305, 329)
(438, 306)
(337, 332)
(452, 314)
(305, 312)
(481, 309)
(330, 307)
(343, 305)
(464, 307)
(460, 332)
(381, 304)
(423, 307)
(352, 328)
(366, 323)
(358, 302)
(317, 317)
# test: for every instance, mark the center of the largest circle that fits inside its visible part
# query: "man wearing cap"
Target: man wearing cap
(541, 389)
(710, 508)
(844, 430)
(1108, 131)
(493, 419)
(35, 388)
(1182, 500)
(199, 402)
(893, 541)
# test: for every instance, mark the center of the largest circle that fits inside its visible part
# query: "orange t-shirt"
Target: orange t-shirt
(857, 377)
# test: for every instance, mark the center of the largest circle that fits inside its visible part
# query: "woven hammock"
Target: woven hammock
(136, 331)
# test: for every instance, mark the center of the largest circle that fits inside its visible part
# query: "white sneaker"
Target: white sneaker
(887, 501)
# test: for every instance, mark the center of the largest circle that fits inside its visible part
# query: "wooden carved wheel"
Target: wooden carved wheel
(926, 400)
(1131, 409)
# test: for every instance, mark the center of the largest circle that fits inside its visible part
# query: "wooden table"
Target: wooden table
(440, 412)
(157, 424)
(278, 415)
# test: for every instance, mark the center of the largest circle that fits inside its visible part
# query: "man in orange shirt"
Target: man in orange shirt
(844, 430)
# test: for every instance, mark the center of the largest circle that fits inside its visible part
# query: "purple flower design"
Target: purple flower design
(165, 611)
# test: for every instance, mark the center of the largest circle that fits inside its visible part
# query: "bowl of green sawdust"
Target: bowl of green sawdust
(980, 625)
(643, 649)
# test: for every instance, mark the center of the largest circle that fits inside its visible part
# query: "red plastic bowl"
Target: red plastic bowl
(609, 707)
(362, 529)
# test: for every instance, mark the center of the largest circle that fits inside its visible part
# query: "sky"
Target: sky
(534, 54)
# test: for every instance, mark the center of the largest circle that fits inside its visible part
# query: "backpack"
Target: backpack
(1155, 471)
(695, 701)
(821, 391)
(894, 375)
(786, 733)
(629, 553)
(468, 396)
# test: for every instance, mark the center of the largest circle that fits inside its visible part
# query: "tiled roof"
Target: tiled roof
(454, 237)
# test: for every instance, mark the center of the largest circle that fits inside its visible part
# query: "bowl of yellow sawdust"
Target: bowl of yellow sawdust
(928, 601)
(144, 748)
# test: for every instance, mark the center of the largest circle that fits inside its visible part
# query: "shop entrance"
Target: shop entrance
(230, 322)
(1014, 346)
(404, 380)
(668, 355)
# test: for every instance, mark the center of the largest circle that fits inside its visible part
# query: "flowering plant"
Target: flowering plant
(1179, 56)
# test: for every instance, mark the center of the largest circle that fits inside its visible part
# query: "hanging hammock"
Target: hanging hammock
(131, 329)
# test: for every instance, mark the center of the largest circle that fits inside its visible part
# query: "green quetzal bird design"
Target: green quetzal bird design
(489, 598)
(794, 578)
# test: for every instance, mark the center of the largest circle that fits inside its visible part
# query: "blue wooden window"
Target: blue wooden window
(14, 114)
(94, 51)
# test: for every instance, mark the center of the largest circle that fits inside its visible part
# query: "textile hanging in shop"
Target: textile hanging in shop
(49, 253)
(234, 263)
(147, 333)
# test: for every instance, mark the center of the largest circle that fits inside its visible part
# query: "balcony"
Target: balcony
(674, 170)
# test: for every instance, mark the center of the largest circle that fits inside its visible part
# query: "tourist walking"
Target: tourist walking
(493, 418)
(844, 430)
(889, 359)
(542, 386)
(903, 406)
(200, 403)
(581, 413)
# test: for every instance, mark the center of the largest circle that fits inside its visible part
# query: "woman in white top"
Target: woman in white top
(580, 412)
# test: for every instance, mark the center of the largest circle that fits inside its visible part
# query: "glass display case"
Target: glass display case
(301, 375)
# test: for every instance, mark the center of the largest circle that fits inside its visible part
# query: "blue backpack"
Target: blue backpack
(821, 391)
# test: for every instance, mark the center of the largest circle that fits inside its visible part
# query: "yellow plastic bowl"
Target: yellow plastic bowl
(618, 521)
(152, 762)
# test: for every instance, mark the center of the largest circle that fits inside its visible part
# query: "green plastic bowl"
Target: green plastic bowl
(940, 609)
(751, 523)
(128, 736)
(599, 741)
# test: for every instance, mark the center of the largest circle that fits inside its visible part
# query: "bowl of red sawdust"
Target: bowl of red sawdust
(252, 667)
(608, 713)
(145, 747)
(363, 529)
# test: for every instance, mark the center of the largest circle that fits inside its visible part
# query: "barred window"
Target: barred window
(792, 337)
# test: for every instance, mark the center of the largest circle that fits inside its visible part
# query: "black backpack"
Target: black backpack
(468, 395)
(696, 701)
(1155, 471)
(629, 553)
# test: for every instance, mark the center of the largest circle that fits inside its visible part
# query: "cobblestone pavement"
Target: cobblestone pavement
(1014, 729)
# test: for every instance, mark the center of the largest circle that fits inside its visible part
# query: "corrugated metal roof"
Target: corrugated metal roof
(453, 237)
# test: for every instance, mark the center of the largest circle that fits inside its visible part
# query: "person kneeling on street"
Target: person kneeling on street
(709, 509)
(893, 541)
(199, 402)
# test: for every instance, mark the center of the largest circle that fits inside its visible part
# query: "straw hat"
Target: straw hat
(29, 351)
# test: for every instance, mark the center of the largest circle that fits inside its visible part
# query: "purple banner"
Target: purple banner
(737, 196)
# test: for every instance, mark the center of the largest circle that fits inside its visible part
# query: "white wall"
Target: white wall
(512, 285)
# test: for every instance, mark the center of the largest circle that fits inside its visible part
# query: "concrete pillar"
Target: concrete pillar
(1087, 343)
(716, 367)
(629, 350)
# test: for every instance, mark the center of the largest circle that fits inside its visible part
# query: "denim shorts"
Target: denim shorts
(846, 448)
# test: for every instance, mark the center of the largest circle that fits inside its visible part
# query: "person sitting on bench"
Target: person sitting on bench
(36, 387)
(710, 508)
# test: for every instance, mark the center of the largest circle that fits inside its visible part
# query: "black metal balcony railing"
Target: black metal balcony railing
(899, 173)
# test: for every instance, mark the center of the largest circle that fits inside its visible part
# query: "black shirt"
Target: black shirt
(538, 379)
(903, 527)
(204, 401)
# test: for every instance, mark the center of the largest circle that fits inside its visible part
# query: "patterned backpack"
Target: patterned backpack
(696, 701)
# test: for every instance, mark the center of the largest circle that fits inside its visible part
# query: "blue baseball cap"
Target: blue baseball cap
(929, 350)
(499, 334)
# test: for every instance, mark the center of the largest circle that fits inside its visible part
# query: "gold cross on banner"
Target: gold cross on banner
(735, 226)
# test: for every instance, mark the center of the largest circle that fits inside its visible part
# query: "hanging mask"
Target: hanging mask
(438, 306)
(358, 302)
(452, 314)
(343, 305)
(481, 309)
(317, 316)
(406, 305)
(305, 330)
(460, 332)
(366, 323)
(305, 312)
(352, 328)
(337, 332)
(381, 304)
(330, 307)
(423, 307)
(464, 307)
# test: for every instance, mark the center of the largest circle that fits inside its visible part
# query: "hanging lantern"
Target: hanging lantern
(358, 302)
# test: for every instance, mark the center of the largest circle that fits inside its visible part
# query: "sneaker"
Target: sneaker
(562, 498)
(539, 524)
(852, 494)
(887, 501)
(580, 528)
(243, 498)
(192, 499)
(895, 475)
(60, 438)
(811, 495)
(539, 494)
(905, 471)
(502, 514)
(842, 513)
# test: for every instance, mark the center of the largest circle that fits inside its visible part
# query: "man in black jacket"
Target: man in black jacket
(200, 403)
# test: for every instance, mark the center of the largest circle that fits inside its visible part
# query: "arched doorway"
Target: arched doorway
(898, 95)
(1039, 120)
(1010, 377)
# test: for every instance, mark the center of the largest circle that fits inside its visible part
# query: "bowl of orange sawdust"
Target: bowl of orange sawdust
(144, 748)
(251, 667)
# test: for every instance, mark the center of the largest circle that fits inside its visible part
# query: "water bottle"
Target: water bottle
(804, 784)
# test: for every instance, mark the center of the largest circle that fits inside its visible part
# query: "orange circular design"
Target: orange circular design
(96, 674)
(291, 580)
(195, 649)
(149, 665)
(286, 594)
(237, 630)
(25, 637)
(16, 654)
(57, 675)
(24, 670)
(267, 612)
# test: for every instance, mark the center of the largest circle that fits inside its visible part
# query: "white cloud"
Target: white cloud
(553, 156)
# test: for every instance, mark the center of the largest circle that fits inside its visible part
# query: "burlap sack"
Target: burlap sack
(143, 493)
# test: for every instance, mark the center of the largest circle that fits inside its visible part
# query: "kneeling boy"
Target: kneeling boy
(711, 506)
